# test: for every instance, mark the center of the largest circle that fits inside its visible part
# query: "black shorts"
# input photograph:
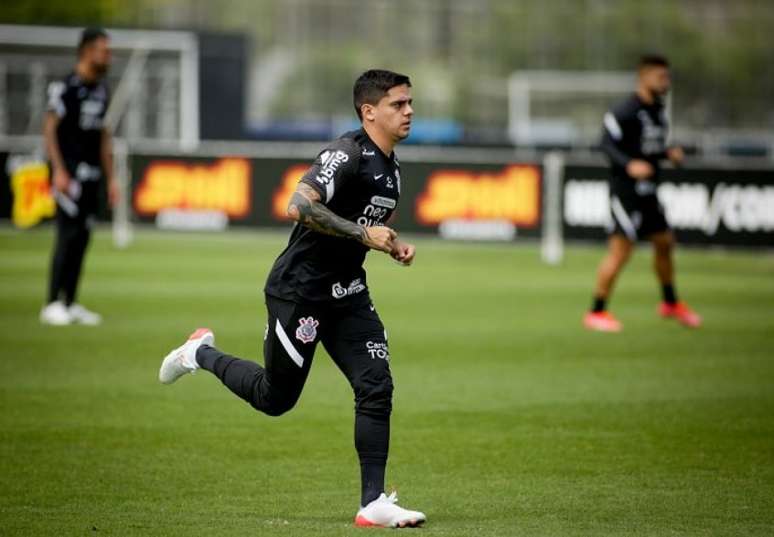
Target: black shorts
(353, 336)
(636, 217)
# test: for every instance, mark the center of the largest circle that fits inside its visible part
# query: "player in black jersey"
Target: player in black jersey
(80, 151)
(634, 140)
(317, 290)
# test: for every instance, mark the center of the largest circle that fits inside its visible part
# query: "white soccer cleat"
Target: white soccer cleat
(81, 315)
(182, 360)
(55, 314)
(384, 512)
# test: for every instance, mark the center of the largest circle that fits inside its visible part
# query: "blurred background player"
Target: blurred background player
(317, 290)
(634, 140)
(79, 149)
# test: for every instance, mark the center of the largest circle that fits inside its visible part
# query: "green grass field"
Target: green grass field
(509, 418)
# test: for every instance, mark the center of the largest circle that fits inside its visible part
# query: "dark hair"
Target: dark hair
(652, 60)
(88, 36)
(373, 85)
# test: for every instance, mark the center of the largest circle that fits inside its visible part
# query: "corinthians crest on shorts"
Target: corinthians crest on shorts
(307, 329)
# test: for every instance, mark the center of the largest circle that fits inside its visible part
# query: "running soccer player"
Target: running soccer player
(81, 155)
(634, 141)
(316, 291)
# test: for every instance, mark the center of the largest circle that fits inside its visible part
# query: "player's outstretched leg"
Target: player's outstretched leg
(182, 360)
(288, 350)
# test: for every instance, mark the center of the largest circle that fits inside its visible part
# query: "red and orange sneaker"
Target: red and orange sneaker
(602, 321)
(680, 311)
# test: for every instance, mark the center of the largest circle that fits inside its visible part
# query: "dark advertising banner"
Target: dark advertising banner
(703, 205)
(477, 201)
(457, 201)
(720, 206)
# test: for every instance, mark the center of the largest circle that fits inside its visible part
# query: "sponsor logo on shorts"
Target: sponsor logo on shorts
(339, 291)
(378, 349)
(307, 329)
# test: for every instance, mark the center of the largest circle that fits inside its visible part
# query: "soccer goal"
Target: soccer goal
(154, 82)
(561, 109)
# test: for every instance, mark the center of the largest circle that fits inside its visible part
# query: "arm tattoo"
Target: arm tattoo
(316, 216)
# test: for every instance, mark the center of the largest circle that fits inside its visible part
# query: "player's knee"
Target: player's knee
(375, 398)
(619, 257)
(275, 405)
(276, 409)
(664, 245)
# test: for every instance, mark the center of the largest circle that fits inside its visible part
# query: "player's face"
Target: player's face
(99, 55)
(393, 113)
(657, 79)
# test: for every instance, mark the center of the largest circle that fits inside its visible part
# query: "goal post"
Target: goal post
(155, 93)
(552, 238)
(562, 108)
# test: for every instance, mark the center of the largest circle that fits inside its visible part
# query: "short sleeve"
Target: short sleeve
(56, 104)
(620, 121)
(333, 167)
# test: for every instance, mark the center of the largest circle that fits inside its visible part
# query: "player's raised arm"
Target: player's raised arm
(307, 209)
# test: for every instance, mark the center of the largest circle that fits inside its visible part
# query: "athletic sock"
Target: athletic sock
(668, 292)
(372, 441)
(599, 304)
(372, 481)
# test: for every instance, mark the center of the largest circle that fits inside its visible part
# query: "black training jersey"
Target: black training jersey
(81, 109)
(358, 182)
(634, 130)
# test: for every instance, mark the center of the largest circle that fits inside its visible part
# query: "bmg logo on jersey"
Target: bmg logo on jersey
(378, 349)
(330, 161)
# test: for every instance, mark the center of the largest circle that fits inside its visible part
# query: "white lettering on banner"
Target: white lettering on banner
(690, 206)
(479, 230)
(587, 203)
(685, 204)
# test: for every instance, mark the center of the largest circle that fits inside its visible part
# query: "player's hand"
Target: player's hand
(676, 155)
(403, 252)
(113, 192)
(62, 180)
(380, 238)
(639, 169)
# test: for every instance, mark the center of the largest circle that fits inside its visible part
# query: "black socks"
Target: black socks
(668, 292)
(599, 304)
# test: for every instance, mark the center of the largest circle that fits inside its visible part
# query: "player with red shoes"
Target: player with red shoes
(634, 140)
